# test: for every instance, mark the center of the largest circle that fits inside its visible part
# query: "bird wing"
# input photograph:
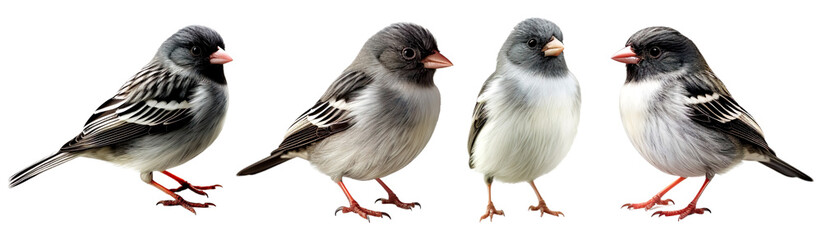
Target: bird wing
(330, 115)
(154, 101)
(722, 113)
(476, 126)
(480, 117)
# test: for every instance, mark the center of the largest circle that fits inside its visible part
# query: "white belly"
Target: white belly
(522, 142)
(520, 149)
(657, 123)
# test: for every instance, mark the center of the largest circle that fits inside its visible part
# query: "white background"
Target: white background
(60, 60)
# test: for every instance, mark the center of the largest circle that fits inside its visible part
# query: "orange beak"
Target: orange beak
(219, 57)
(626, 55)
(553, 48)
(435, 61)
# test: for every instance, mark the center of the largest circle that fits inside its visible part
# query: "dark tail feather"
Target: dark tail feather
(786, 169)
(262, 165)
(40, 167)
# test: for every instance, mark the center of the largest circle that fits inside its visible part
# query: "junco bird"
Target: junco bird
(527, 112)
(375, 118)
(167, 114)
(682, 119)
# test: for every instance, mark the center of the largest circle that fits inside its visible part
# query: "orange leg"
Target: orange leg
(185, 185)
(179, 200)
(541, 207)
(656, 199)
(690, 209)
(393, 199)
(355, 207)
(490, 210)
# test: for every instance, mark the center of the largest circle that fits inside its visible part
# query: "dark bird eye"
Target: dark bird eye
(532, 43)
(408, 53)
(655, 52)
(196, 51)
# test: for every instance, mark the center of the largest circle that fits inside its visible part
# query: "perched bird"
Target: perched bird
(527, 112)
(682, 119)
(375, 118)
(167, 114)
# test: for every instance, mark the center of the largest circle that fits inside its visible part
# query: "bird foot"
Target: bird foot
(195, 189)
(364, 213)
(649, 204)
(690, 209)
(392, 199)
(544, 209)
(179, 201)
(490, 211)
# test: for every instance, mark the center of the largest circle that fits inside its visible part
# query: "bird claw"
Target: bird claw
(179, 201)
(490, 211)
(364, 213)
(688, 210)
(195, 189)
(338, 210)
(656, 200)
(544, 209)
(392, 199)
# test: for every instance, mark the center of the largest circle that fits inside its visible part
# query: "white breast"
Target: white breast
(656, 121)
(527, 133)
(634, 100)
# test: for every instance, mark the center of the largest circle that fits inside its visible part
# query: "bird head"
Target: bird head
(195, 50)
(536, 44)
(407, 50)
(659, 50)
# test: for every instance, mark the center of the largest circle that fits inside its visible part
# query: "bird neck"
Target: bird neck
(215, 73)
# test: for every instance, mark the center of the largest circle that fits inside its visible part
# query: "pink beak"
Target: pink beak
(219, 57)
(626, 55)
(435, 61)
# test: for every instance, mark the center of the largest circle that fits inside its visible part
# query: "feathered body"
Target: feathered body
(532, 122)
(668, 138)
(395, 133)
(157, 152)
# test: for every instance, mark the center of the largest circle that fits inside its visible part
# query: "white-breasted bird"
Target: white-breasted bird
(682, 119)
(527, 112)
